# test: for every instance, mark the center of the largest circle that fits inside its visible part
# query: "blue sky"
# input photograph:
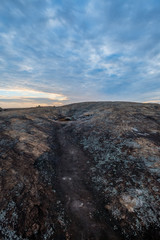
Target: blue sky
(55, 52)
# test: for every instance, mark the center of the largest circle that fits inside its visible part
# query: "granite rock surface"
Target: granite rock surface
(86, 171)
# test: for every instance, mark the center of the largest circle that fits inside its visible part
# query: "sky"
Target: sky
(55, 52)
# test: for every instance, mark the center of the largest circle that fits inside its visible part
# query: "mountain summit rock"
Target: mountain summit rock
(85, 171)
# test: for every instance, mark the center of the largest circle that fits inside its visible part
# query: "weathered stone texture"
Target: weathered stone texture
(82, 171)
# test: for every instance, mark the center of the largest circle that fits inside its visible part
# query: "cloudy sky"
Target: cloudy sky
(55, 52)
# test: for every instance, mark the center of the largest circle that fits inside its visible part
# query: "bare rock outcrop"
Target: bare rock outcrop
(86, 171)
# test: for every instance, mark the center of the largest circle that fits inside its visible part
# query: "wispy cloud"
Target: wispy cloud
(83, 50)
(15, 97)
(23, 93)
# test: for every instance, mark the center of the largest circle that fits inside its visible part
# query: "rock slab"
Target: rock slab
(80, 172)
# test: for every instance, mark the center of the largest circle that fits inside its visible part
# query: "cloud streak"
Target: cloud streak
(25, 93)
(28, 97)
